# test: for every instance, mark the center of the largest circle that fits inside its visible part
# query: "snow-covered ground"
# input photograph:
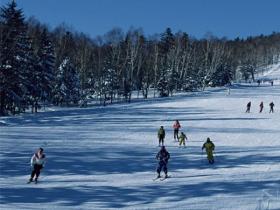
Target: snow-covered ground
(104, 157)
(272, 73)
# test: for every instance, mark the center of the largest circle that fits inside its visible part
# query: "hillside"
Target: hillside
(271, 73)
(104, 158)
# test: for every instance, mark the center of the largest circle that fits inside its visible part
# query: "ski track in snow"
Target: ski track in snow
(104, 157)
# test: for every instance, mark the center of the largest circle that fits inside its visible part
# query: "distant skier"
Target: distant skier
(261, 107)
(210, 147)
(227, 86)
(228, 90)
(163, 157)
(259, 82)
(37, 162)
(248, 107)
(182, 139)
(161, 136)
(271, 82)
(271, 107)
(176, 127)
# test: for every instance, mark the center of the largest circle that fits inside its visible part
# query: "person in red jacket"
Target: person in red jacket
(176, 127)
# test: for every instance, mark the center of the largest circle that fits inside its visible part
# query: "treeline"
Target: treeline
(64, 67)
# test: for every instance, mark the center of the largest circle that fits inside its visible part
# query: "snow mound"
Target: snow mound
(2, 123)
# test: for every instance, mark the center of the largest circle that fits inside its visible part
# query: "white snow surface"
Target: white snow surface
(272, 73)
(104, 157)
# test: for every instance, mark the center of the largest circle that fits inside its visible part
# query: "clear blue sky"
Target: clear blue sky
(229, 18)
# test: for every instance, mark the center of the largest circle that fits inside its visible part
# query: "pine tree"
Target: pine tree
(67, 86)
(16, 59)
(162, 86)
(30, 86)
(166, 68)
(46, 62)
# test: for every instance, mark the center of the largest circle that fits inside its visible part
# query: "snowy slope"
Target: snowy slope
(272, 73)
(104, 158)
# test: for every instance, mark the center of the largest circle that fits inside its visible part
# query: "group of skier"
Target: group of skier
(38, 159)
(163, 155)
(271, 105)
(180, 138)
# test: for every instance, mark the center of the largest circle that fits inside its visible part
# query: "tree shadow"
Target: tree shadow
(129, 160)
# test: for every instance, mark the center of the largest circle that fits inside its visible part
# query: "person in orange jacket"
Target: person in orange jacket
(176, 127)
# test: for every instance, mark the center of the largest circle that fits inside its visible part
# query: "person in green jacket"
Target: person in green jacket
(209, 147)
(161, 136)
(182, 139)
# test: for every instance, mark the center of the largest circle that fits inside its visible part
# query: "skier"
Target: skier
(228, 92)
(271, 107)
(161, 136)
(248, 107)
(176, 127)
(259, 82)
(163, 157)
(209, 146)
(183, 139)
(261, 107)
(37, 162)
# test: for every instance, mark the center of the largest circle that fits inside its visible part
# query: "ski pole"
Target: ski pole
(201, 155)
(215, 156)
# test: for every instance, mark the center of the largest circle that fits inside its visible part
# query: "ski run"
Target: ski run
(104, 157)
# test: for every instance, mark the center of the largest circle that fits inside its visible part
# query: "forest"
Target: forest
(64, 67)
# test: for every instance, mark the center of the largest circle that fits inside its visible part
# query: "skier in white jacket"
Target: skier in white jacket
(37, 162)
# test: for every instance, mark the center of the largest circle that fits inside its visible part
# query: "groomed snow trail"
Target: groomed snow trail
(104, 157)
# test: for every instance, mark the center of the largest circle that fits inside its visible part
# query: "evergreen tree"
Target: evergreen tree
(46, 62)
(162, 86)
(166, 67)
(67, 86)
(222, 76)
(16, 59)
(109, 85)
(30, 75)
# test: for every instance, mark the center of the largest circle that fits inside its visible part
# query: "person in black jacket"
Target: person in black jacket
(271, 107)
(248, 107)
(163, 157)
(261, 107)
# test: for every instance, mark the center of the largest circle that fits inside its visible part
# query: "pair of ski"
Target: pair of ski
(161, 178)
(35, 182)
